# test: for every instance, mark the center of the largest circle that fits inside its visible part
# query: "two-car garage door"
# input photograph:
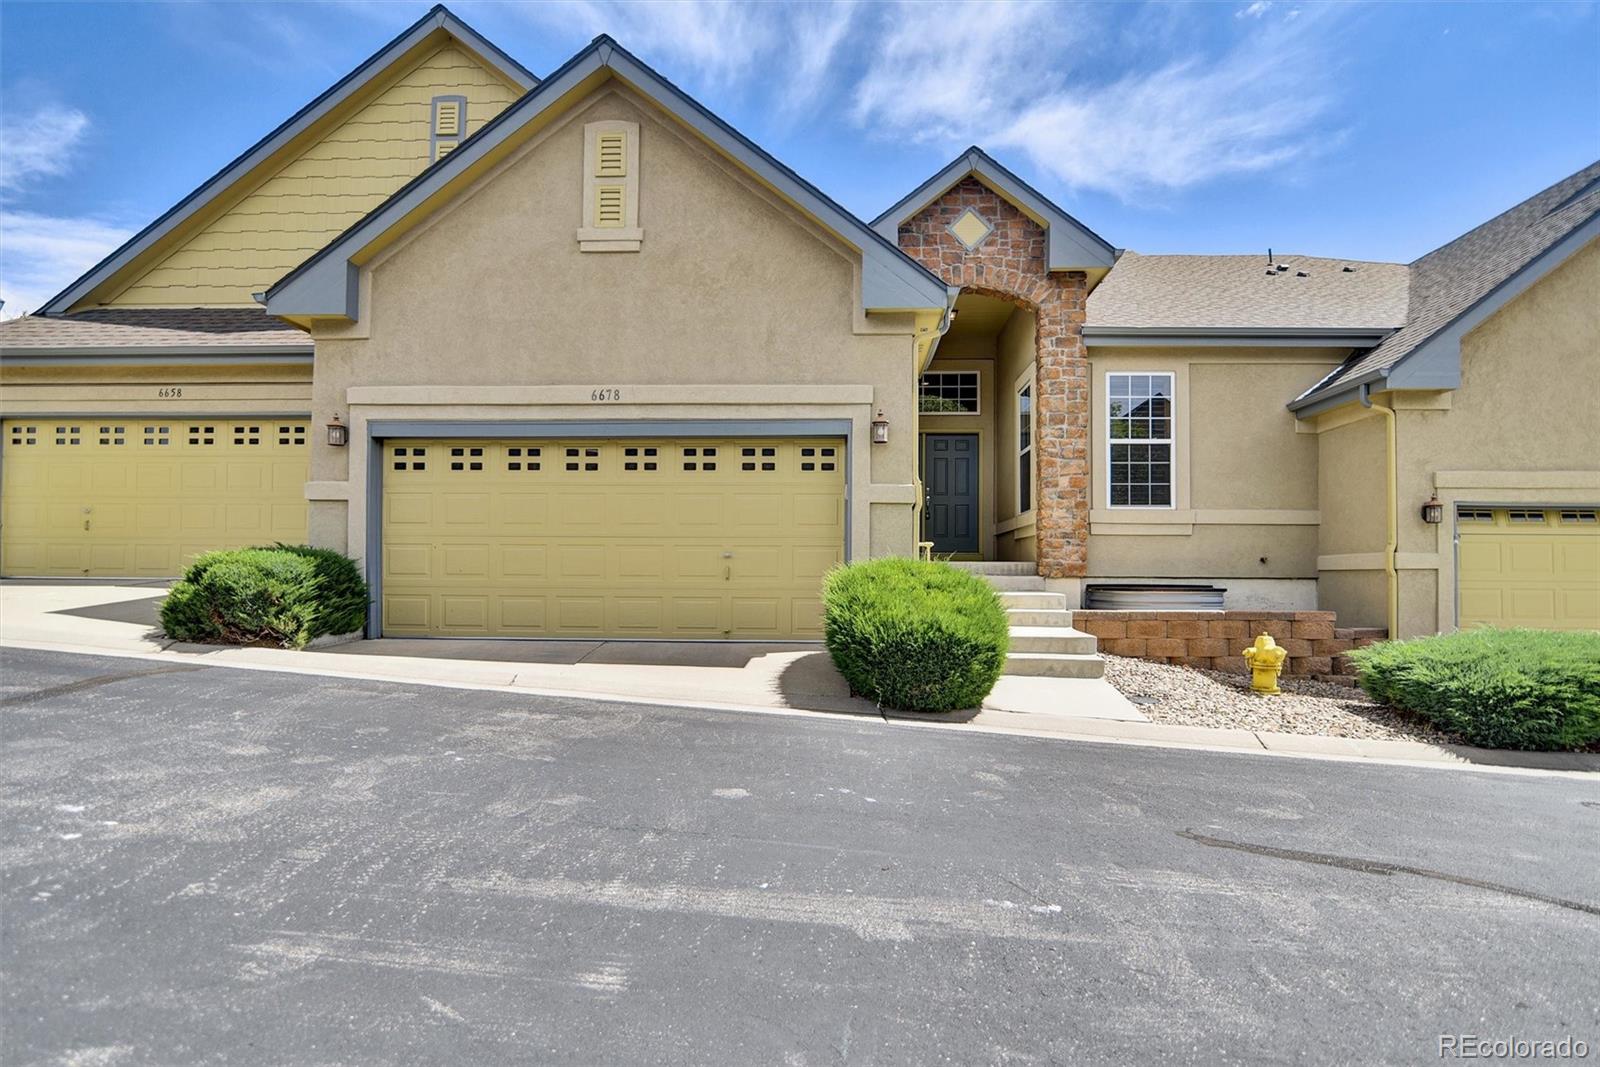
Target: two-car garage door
(121, 497)
(1530, 566)
(638, 537)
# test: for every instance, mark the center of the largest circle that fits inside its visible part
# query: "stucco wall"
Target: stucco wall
(1245, 481)
(1351, 487)
(736, 307)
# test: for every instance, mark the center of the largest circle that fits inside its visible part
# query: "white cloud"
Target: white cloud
(1254, 11)
(40, 144)
(40, 254)
(1188, 119)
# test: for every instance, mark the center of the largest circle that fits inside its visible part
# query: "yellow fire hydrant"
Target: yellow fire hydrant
(1265, 658)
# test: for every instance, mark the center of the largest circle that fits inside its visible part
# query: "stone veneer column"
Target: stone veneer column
(1009, 264)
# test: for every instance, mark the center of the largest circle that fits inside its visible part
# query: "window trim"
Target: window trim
(1171, 440)
(1025, 382)
(977, 376)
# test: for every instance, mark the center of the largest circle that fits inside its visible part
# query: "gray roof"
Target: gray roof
(153, 330)
(1451, 282)
(1246, 293)
(438, 19)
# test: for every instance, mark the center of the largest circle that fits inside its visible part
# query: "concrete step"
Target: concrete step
(1055, 665)
(1015, 583)
(1038, 616)
(1045, 601)
(994, 567)
(1062, 639)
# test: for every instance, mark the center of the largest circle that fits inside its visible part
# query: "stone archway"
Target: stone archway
(1009, 264)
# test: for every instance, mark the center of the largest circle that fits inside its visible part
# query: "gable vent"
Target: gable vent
(447, 119)
(608, 210)
(443, 148)
(610, 156)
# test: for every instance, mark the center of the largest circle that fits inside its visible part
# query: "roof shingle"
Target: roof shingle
(1243, 292)
(174, 329)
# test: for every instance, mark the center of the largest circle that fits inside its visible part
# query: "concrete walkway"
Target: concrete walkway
(784, 677)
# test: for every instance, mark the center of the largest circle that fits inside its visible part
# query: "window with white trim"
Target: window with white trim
(948, 392)
(1025, 448)
(1139, 430)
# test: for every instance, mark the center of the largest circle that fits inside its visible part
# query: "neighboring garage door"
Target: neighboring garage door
(1536, 567)
(127, 497)
(610, 538)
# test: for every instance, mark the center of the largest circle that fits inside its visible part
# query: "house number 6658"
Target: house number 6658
(169, 392)
(606, 394)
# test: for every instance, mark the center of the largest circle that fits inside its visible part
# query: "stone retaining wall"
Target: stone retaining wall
(1215, 640)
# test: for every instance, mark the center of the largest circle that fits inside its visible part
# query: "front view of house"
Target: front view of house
(573, 357)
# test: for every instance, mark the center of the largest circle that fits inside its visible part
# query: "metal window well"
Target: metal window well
(1153, 598)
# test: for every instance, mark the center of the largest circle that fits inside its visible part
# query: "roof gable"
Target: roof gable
(325, 285)
(420, 42)
(1460, 284)
(1069, 244)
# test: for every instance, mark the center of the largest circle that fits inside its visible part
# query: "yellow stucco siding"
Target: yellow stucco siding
(270, 228)
(734, 307)
(1014, 359)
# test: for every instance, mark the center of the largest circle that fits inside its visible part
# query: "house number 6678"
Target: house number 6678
(606, 394)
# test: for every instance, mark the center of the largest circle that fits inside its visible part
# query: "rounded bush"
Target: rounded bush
(285, 595)
(914, 635)
(1527, 689)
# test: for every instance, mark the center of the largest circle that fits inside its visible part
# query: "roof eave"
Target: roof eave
(438, 18)
(1235, 336)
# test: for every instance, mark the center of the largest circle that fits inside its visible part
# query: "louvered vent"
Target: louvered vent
(610, 159)
(447, 119)
(608, 210)
(443, 148)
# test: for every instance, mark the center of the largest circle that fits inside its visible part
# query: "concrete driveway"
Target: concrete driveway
(205, 865)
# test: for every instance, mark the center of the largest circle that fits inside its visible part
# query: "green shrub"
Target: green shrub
(1528, 689)
(914, 635)
(285, 595)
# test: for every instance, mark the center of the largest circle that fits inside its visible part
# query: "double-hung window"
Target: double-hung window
(1139, 425)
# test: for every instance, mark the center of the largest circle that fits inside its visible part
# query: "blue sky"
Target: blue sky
(1372, 131)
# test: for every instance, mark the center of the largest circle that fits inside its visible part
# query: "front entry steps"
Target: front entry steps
(1043, 641)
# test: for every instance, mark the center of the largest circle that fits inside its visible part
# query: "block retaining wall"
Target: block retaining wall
(1215, 640)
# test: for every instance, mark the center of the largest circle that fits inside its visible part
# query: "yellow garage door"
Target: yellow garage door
(610, 538)
(125, 497)
(1537, 567)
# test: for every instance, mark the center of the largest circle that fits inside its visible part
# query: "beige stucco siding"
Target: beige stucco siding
(1245, 481)
(1351, 488)
(735, 307)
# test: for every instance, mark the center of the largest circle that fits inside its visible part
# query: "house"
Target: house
(572, 356)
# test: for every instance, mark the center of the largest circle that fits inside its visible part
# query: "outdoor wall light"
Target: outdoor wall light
(1433, 511)
(338, 433)
(880, 429)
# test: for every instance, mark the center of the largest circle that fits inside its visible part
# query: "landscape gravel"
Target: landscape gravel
(1184, 696)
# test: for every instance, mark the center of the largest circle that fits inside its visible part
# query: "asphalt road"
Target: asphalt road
(204, 865)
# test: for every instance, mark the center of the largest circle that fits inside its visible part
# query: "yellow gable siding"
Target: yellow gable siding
(311, 200)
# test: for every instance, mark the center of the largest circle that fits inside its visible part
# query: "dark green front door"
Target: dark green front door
(950, 477)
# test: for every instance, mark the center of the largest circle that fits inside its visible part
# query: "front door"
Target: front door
(950, 475)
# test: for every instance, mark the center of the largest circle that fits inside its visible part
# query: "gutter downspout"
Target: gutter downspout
(1392, 525)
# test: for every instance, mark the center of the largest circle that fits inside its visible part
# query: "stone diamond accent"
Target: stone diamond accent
(970, 229)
